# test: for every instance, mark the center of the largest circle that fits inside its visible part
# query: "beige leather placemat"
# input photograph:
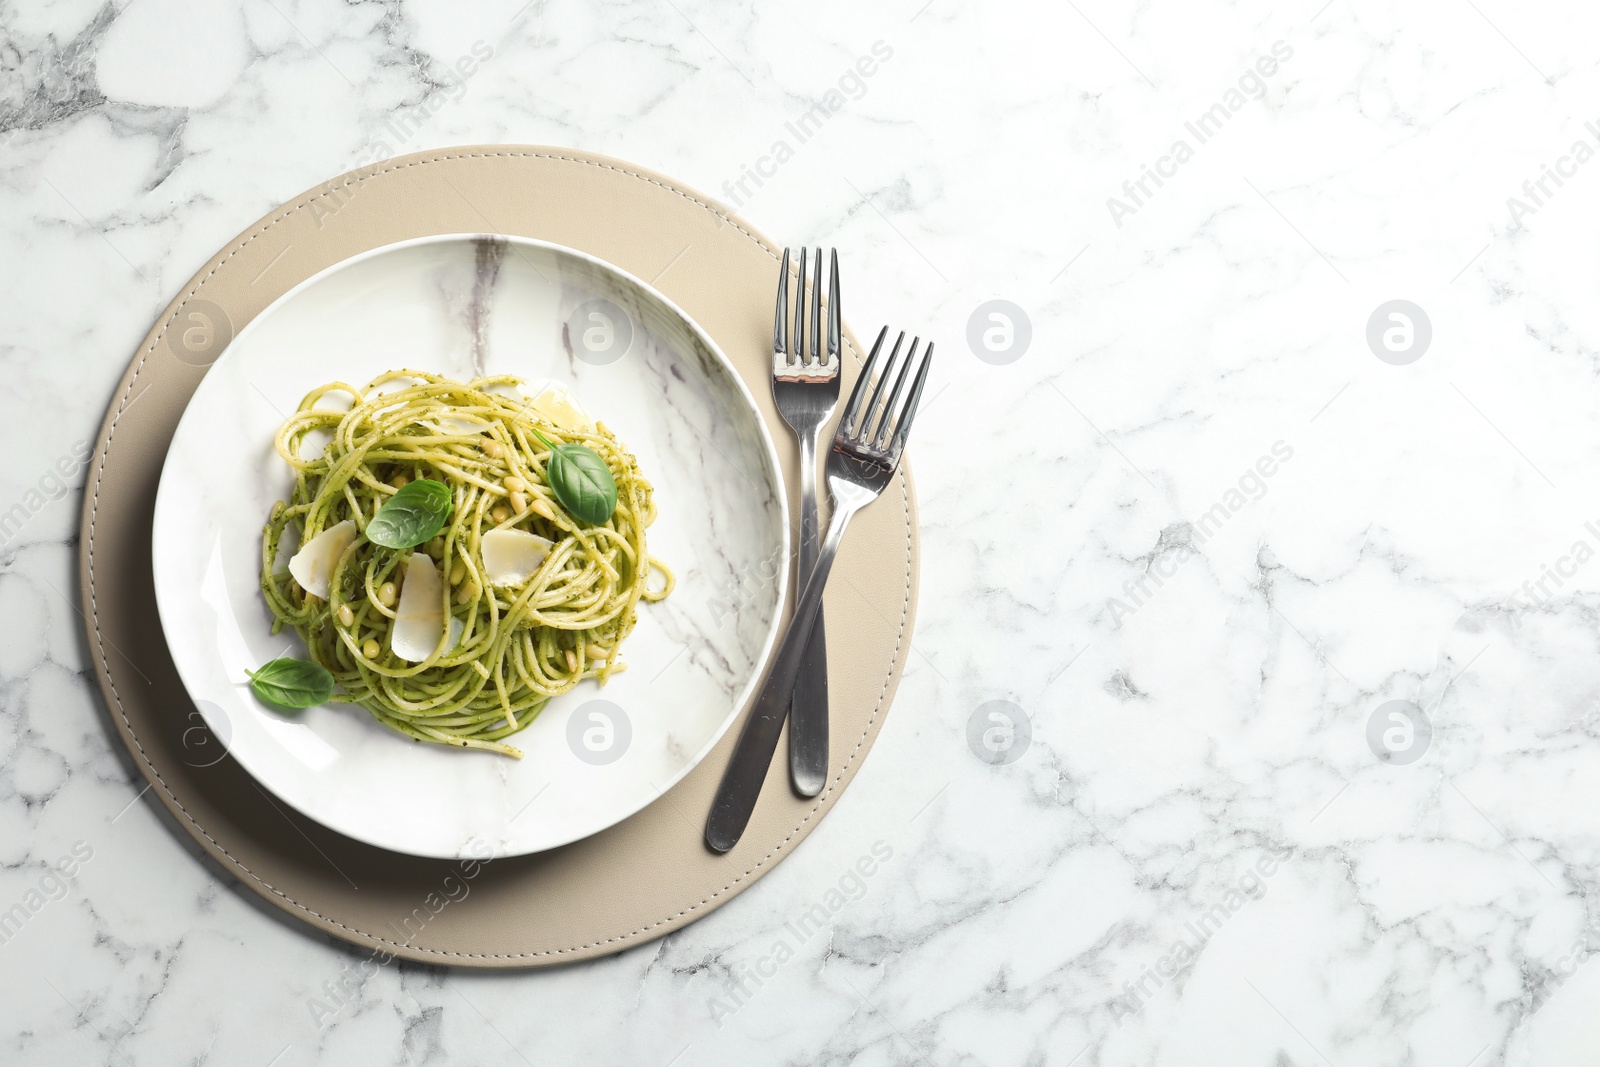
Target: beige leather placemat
(645, 877)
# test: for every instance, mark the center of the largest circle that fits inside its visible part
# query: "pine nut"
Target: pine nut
(386, 594)
(370, 649)
(347, 618)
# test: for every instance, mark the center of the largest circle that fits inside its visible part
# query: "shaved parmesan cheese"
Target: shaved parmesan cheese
(510, 557)
(419, 619)
(562, 408)
(313, 565)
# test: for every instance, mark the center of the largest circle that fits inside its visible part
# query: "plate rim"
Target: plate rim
(764, 435)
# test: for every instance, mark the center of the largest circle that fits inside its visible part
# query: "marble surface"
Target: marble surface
(1251, 716)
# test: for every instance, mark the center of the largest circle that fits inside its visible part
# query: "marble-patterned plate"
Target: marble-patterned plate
(465, 305)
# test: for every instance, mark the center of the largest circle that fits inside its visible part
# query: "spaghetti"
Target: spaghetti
(504, 650)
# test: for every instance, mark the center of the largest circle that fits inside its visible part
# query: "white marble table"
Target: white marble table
(1303, 638)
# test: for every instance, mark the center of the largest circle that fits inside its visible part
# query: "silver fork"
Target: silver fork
(805, 386)
(866, 452)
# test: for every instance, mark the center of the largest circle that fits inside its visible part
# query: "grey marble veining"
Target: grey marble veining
(1251, 712)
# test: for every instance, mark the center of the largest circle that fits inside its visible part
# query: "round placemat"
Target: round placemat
(636, 881)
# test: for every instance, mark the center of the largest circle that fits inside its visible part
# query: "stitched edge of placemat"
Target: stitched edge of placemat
(108, 432)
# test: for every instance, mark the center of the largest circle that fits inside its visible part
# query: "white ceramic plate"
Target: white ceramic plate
(465, 305)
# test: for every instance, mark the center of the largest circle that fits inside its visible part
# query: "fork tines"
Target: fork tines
(881, 430)
(801, 358)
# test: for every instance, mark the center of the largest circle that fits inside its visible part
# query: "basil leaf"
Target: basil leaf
(292, 683)
(411, 516)
(582, 482)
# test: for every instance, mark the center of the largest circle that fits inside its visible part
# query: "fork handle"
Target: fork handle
(747, 770)
(808, 708)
